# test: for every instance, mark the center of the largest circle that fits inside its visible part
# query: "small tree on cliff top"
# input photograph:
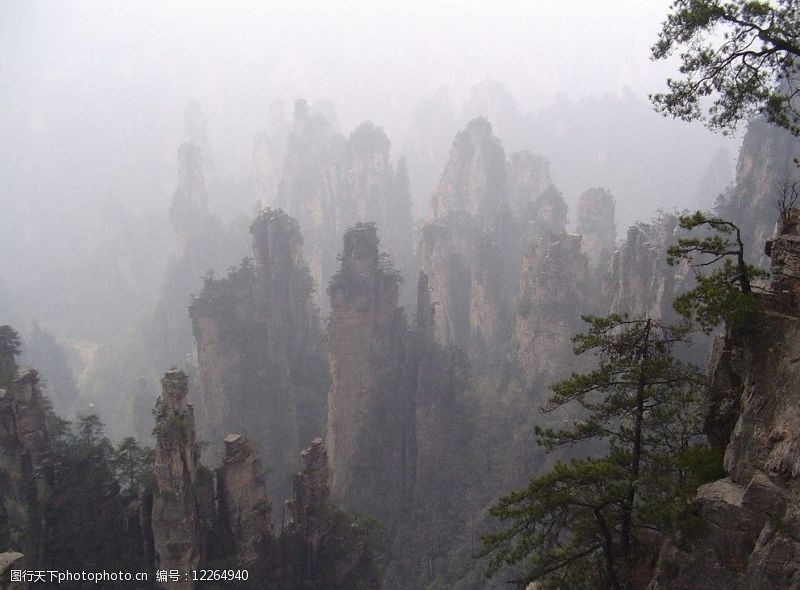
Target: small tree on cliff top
(725, 294)
(584, 523)
(10, 345)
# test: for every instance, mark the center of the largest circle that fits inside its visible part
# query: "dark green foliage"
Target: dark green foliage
(585, 523)
(10, 344)
(132, 465)
(87, 521)
(345, 280)
(742, 53)
(725, 294)
(358, 541)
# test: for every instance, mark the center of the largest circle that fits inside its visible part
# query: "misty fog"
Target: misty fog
(220, 190)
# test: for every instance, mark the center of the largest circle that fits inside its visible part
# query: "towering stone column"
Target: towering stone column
(370, 414)
(470, 245)
(597, 226)
(640, 280)
(330, 182)
(244, 507)
(549, 308)
(26, 476)
(311, 506)
(260, 349)
(184, 499)
(528, 179)
(321, 546)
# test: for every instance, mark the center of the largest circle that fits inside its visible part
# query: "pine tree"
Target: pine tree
(738, 58)
(10, 344)
(132, 464)
(725, 294)
(585, 523)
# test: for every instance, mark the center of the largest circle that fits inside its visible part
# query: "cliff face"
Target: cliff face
(25, 472)
(597, 226)
(309, 183)
(323, 547)
(474, 178)
(469, 250)
(546, 216)
(243, 505)
(641, 282)
(766, 164)
(184, 496)
(549, 308)
(371, 191)
(528, 178)
(749, 527)
(330, 182)
(369, 404)
(260, 351)
(396, 419)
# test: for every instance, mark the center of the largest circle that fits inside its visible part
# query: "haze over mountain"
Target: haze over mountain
(294, 289)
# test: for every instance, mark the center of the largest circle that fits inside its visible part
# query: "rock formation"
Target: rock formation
(597, 226)
(469, 248)
(749, 522)
(312, 503)
(308, 185)
(397, 421)
(766, 164)
(528, 178)
(318, 545)
(641, 282)
(370, 406)
(321, 546)
(439, 379)
(371, 191)
(329, 183)
(200, 244)
(184, 496)
(260, 348)
(549, 308)
(25, 471)
(11, 560)
(446, 265)
(269, 152)
(189, 206)
(243, 505)
(547, 217)
(474, 179)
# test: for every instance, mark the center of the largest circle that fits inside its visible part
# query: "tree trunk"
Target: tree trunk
(636, 459)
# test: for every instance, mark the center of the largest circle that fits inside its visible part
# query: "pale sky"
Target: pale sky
(374, 60)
